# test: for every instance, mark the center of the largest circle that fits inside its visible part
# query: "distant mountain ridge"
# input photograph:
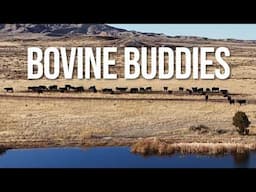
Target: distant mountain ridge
(60, 29)
(128, 38)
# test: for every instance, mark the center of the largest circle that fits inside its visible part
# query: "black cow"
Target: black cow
(142, 89)
(241, 101)
(62, 89)
(68, 87)
(170, 91)
(231, 101)
(36, 89)
(121, 89)
(224, 91)
(71, 88)
(206, 98)
(33, 88)
(181, 89)
(107, 90)
(43, 87)
(200, 90)
(93, 89)
(189, 91)
(215, 89)
(53, 87)
(8, 89)
(208, 90)
(39, 91)
(194, 89)
(148, 89)
(165, 89)
(79, 89)
(229, 97)
(134, 90)
(29, 88)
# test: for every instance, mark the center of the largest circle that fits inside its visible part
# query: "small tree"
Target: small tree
(241, 121)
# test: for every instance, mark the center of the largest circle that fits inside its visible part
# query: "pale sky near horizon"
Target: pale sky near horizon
(216, 31)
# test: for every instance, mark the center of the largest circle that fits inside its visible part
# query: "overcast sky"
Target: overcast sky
(219, 31)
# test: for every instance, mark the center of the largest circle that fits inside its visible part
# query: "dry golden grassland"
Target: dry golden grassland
(65, 121)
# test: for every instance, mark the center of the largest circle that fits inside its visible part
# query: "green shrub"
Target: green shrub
(241, 122)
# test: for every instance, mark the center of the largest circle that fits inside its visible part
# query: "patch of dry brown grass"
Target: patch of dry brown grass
(158, 147)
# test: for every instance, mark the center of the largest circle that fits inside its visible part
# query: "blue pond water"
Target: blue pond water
(115, 157)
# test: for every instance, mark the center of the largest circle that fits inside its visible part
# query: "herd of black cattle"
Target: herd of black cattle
(193, 91)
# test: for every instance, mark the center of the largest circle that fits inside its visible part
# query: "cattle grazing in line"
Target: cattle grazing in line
(142, 89)
(169, 91)
(93, 89)
(194, 89)
(181, 89)
(107, 90)
(189, 91)
(241, 101)
(215, 89)
(121, 89)
(8, 89)
(231, 101)
(206, 98)
(208, 90)
(148, 89)
(134, 90)
(165, 89)
(224, 91)
(53, 87)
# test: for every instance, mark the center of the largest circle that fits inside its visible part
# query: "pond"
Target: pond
(115, 157)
